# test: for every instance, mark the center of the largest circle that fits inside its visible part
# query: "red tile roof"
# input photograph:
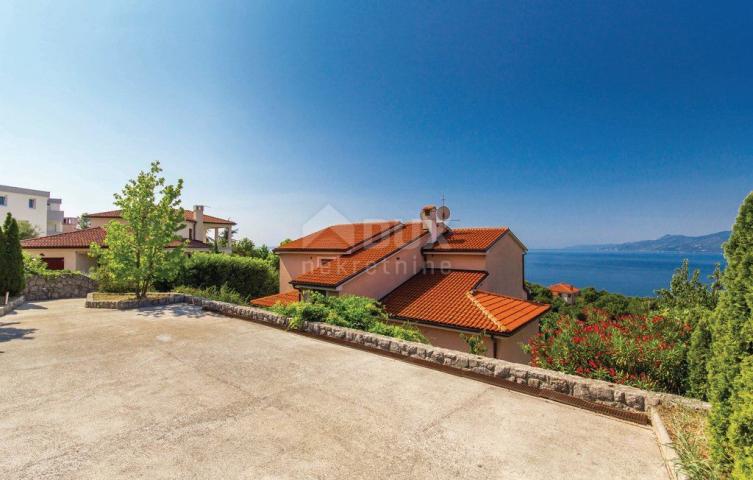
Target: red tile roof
(343, 268)
(563, 288)
(338, 237)
(448, 298)
(284, 298)
(468, 239)
(76, 239)
(84, 238)
(187, 214)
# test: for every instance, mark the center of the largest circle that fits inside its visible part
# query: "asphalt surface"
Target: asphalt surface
(176, 392)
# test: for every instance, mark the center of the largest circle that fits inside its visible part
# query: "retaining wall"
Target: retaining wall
(13, 303)
(547, 383)
(63, 285)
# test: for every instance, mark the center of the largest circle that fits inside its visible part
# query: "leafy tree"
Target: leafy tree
(476, 345)
(730, 379)
(137, 250)
(84, 222)
(13, 261)
(686, 291)
(26, 230)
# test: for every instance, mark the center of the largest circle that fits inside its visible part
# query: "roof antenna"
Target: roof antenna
(444, 212)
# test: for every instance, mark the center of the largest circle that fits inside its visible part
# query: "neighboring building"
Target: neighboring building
(34, 206)
(71, 250)
(565, 291)
(70, 224)
(444, 281)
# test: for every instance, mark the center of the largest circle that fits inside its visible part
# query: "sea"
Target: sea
(628, 273)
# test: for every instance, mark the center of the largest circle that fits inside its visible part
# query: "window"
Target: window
(3, 201)
(32, 203)
(324, 261)
(190, 233)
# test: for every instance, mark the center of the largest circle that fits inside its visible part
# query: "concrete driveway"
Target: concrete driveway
(175, 392)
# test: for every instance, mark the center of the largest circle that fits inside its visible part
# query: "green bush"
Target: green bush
(732, 344)
(250, 277)
(34, 265)
(699, 352)
(221, 294)
(350, 311)
(740, 432)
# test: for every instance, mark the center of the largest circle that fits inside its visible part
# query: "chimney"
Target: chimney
(429, 221)
(199, 231)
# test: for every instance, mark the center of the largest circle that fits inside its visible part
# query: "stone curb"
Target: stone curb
(549, 383)
(666, 446)
(130, 304)
(13, 304)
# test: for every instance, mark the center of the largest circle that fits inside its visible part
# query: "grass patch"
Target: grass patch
(222, 294)
(117, 297)
(688, 430)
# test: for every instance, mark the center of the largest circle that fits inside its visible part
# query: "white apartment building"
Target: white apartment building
(34, 206)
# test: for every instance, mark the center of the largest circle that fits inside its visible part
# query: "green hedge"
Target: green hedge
(250, 277)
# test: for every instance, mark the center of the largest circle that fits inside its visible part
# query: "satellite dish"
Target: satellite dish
(443, 213)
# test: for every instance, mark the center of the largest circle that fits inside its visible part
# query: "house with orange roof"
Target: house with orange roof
(445, 281)
(70, 250)
(565, 291)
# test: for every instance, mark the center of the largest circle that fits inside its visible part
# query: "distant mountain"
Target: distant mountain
(711, 243)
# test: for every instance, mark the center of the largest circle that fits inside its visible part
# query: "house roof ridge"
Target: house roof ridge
(486, 312)
(540, 304)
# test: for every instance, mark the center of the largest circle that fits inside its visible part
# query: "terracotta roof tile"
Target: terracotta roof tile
(563, 288)
(76, 239)
(448, 298)
(84, 238)
(284, 298)
(342, 268)
(339, 237)
(468, 239)
(187, 214)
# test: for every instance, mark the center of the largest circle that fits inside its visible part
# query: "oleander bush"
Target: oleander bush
(638, 350)
(350, 311)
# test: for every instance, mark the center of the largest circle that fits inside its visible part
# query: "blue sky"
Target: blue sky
(581, 123)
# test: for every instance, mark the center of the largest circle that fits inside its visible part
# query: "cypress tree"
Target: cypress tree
(732, 347)
(4, 273)
(14, 257)
(698, 355)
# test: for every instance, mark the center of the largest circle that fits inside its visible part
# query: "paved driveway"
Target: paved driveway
(179, 393)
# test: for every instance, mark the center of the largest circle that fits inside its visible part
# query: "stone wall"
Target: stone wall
(621, 397)
(13, 303)
(547, 383)
(63, 285)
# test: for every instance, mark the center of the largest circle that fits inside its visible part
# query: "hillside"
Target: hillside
(711, 243)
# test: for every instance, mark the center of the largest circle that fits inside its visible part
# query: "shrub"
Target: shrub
(250, 277)
(699, 352)
(221, 294)
(476, 345)
(732, 345)
(643, 351)
(350, 311)
(34, 265)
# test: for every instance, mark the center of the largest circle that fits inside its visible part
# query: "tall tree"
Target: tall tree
(137, 251)
(4, 268)
(14, 259)
(84, 222)
(730, 385)
(26, 230)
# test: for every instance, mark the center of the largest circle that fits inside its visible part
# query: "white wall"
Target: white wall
(17, 203)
